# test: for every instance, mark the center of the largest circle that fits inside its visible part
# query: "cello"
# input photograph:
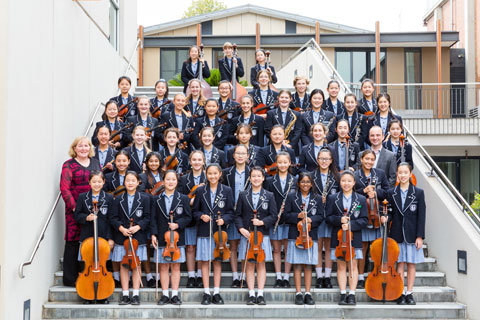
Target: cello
(206, 89)
(402, 159)
(171, 251)
(221, 251)
(372, 206)
(238, 91)
(384, 282)
(255, 253)
(95, 282)
(130, 259)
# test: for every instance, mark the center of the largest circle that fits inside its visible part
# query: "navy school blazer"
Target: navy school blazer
(132, 106)
(387, 144)
(381, 182)
(258, 129)
(358, 217)
(326, 117)
(307, 160)
(182, 215)
(226, 70)
(266, 211)
(187, 73)
(332, 183)
(112, 182)
(255, 70)
(314, 209)
(118, 125)
(353, 152)
(84, 207)
(275, 117)
(221, 132)
(140, 214)
(274, 185)
(253, 153)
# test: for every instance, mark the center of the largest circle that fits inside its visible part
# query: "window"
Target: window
(413, 74)
(217, 55)
(114, 23)
(290, 27)
(171, 61)
(355, 65)
(207, 28)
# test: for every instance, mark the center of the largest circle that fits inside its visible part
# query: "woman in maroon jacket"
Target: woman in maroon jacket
(73, 182)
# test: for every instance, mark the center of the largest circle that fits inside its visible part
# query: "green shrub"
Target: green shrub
(176, 81)
(476, 203)
(214, 78)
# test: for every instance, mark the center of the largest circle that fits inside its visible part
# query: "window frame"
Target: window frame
(368, 51)
(115, 40)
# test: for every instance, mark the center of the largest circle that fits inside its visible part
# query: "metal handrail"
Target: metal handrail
(57, 199)
(419, 84)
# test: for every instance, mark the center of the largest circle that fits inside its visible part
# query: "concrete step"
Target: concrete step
(422, 279)
(276, 296)
(365, 310)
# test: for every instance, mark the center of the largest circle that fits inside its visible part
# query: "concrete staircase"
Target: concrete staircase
(434, 300)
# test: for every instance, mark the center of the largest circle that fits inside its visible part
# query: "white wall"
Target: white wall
(58, 66)
(448, 230)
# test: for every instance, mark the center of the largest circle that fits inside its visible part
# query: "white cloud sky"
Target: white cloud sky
(394, 16)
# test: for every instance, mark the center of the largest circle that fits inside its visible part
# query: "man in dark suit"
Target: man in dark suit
(385, 160)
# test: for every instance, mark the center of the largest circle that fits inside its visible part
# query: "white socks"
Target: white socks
(319, 272)
(199, 273)
(361, 277)
(286, 276)
(136, 292)
(235, 276)
(116, 275)
(251, 293)
(279, 275)
(125, 293)
(216, 290)
(328, 272)
(191, 274)
(165, 293)
(149, 276)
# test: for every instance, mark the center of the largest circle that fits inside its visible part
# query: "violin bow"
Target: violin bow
(351, 250)
(135, 260)
(156, 273)
(245, 262)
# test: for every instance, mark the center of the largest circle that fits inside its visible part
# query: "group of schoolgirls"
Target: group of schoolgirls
(233, 186)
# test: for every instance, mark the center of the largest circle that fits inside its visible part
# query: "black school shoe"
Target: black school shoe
(361, 284)
(299, 299)
(308, 299)
(319, 283)
(351, 300)
(124, 300)
(191, 282)
(261, 301)
(117, 284)
(135, 300)
(402, 300)
(176, 301)
(409, 299)
(235, 284)
(198, 282)
(278, 283)
(163, 300)
(151, 283)
(286, 284)
(251, 300)
(327, 283)
(343, 299)
(217, 299)
(207, 299)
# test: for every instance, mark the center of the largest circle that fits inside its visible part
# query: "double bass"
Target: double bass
(238, 91)
(206, 89)
(384, 282)
(95, 282)
(267, 65)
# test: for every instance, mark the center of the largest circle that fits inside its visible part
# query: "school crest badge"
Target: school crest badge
(219, 133)
(254, 132)
(139, 213)
(314, 211)
(179, 210)
(265, 205)
(413, 207)
(221, 204)
(103, 210)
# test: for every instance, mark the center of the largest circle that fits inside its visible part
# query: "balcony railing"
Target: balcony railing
(431, 100)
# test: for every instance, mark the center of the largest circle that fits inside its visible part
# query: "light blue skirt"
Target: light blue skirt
(191, 236)
(369, 235)
(358, 254)
(119, 252)
(324, 230)
(162, 260)
(266, 246)
(232, 232)
(203, 254)
(280, 234)
(80, 253)
(410, 254)
(301, 256)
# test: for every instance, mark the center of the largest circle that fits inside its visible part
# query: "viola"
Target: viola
(255, 252)
(130, 259)
(221, 251)
(304, 241)
(95, 282)
(272, 169)
(171, 251)
(384, 282)
(171, 162)
(115, 136)
(372, 206)
(238, 90)
(402, 159)
(344, 250)
(124, 108)
(157, 111)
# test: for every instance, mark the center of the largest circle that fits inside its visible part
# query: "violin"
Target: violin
(115, 136)
(402, 159)
(191, 194)
(272, 169)
(304, 241)
(157, 111)
(124, 108)
(372, 206)
(238, 91)
(369, 113)
(171, 251)
(95, 282)
(157, 189)
(130, 259)
(255, 253)
(221, 251)
(224, 113)
(344, 250)
(149, 131)
(118, 191)
(384, 282)
(171, 162)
